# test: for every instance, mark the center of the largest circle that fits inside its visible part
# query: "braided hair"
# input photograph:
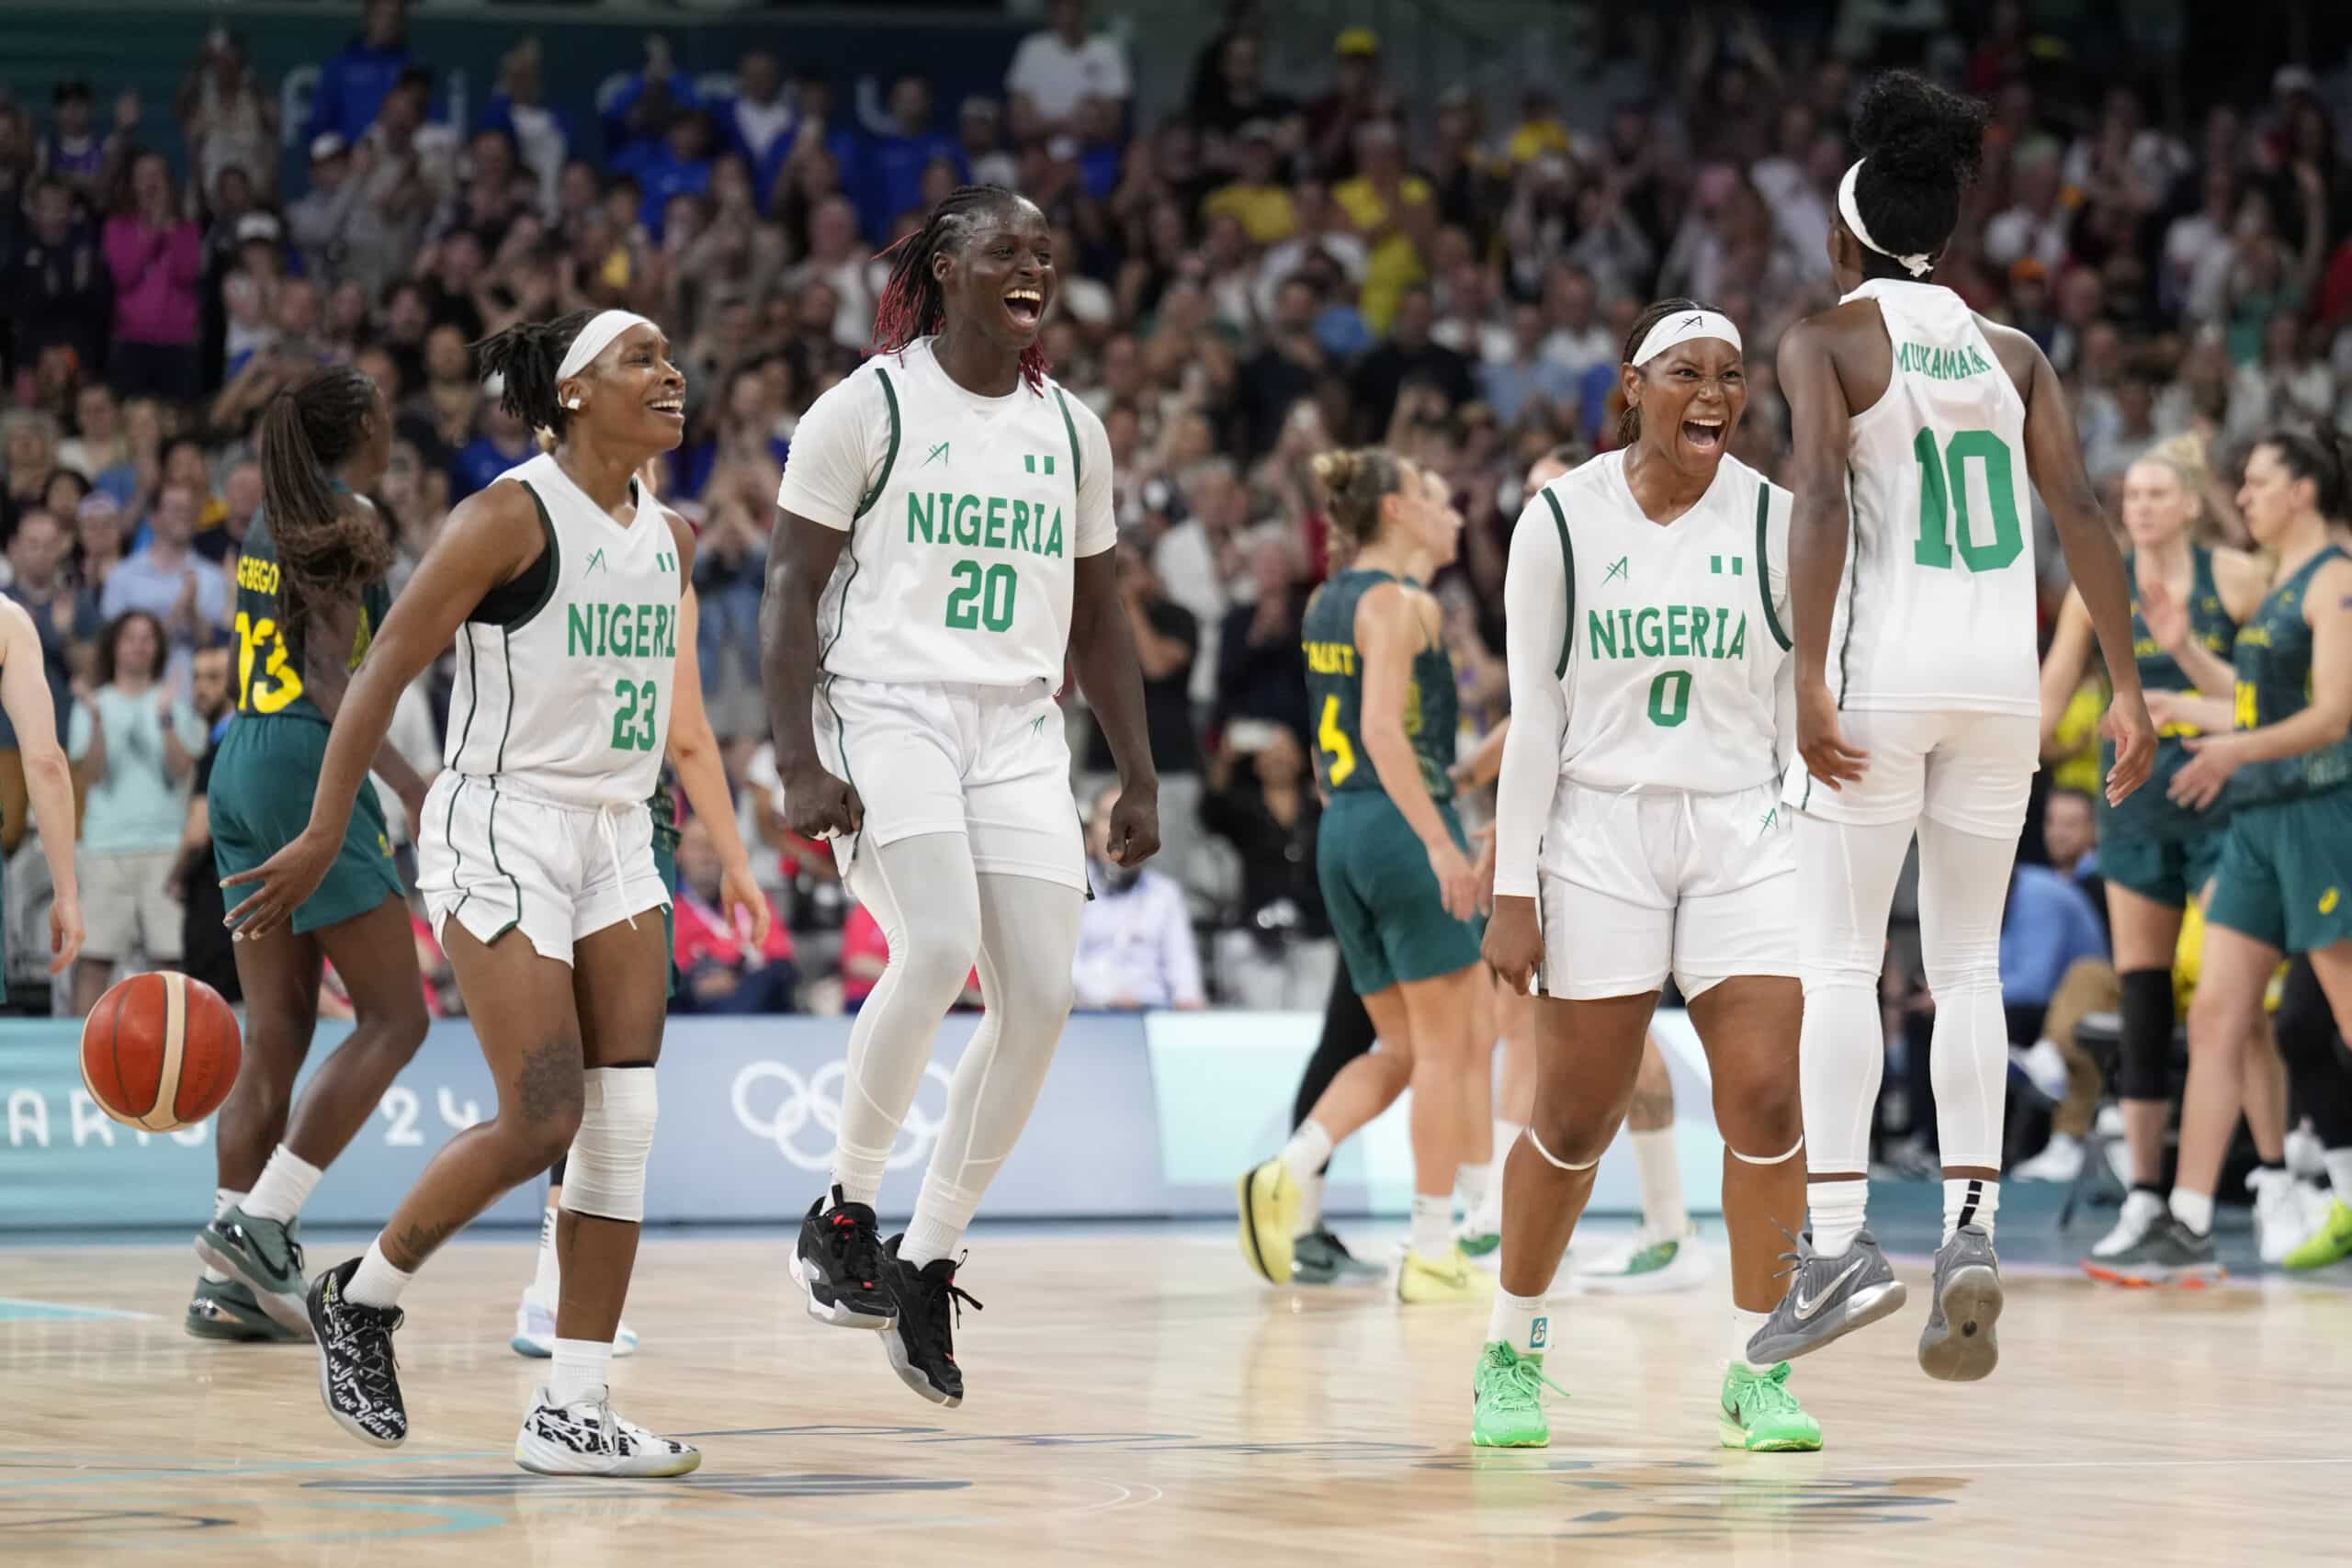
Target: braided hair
(328, 548)
(913, 304)
(526, 357)
(1921, 144)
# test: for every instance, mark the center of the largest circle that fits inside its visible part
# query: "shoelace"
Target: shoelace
(1797, 1259)
(1521, 1383)
(1769, 1393)
(857, 1246)
(368, 1332)
(949, 1294)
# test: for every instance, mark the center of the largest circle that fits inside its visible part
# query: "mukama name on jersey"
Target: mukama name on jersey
(1939, 364)
(600, 629)
(1678, 631)
(988, 522)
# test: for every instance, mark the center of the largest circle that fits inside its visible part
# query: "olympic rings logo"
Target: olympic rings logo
(817, 1100)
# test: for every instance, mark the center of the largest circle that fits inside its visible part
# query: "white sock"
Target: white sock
(1970, 1201)
(1523, 1322)
(1470, 1183)
(1308, 1151)
(1744, 1324)
(223, 1199)
(2194, 1210)
(928, 1239)
(377, 1283)
(581, 1367)
(1661, 1171)
(547, 1281)
(1837, 1209)
(2339, 1173)
(285, 1186)
(1433, 1226)
(1310, 1205)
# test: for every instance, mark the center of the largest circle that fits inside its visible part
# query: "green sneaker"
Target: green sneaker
(1761, 1416)
(1509, 1408)
(2331, 1243)
(227, 1311)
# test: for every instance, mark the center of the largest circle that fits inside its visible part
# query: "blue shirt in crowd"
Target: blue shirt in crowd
(2049, 925)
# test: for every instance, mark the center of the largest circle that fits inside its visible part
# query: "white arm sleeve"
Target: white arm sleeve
(837, 453)
(1536, 630)
(1097, 519)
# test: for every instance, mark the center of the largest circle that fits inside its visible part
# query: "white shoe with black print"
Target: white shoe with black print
(585, 1437)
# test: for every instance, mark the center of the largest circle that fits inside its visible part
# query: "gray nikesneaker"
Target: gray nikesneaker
(1958, 1345)
(1829, 1298)
(2169, 1254)
(1320, 1258)
(265, 1256)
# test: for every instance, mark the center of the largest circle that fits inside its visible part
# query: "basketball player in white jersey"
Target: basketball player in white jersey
(32, 708)
(943, 545)
(1917, 424)
(1638, 835)
(560, 585)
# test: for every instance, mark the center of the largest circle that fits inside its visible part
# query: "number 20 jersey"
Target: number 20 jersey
(1937, 611)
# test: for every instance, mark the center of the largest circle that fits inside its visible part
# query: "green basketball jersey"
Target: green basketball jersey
(2149, 809)
(2274, 668)
(271, 676)
(1335, 694)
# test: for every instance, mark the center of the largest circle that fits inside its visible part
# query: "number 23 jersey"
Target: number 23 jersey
(966, 514)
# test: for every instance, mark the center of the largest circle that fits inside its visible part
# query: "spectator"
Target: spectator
(404, 169)
(1439, 377)
(1280, 955)
(1323, 231)
(239, 504)
(98, 541)
(2070, 838)
(1358, 98)
(73, 152)
(28, 457)
(135, 745)
(1255, 195)
(1394, 212)
(1135, 936)
(184, 593)
(718, 970)
(354, 85)
(2048, 925)
(227, 121)
(157, 259)
(838, 259)
(1053, 70)
(60, 287)
(542, 136)
(756, 122)
(206, 950)
(1262, 664)
(890, 165)
(678, 164)
(979, 126)
(1529, 374)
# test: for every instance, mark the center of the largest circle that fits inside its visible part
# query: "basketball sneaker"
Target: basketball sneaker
(1646, 1265)
(2330, 1240)
(838, 1263)
(225, 1310)
(265, 1256)
(359, 1375)
(1506, 1400)
(2286, 1210)
(2169, 1254)
(920, 1339)
(1829, 1298)
(1481, 1232)
(1964, 1304)
(1318, 1258)
(1761, 1416)
(585, 1437)
(2142, 1207)
(1425, 1281)
(1268, 1200)
(535, 1330)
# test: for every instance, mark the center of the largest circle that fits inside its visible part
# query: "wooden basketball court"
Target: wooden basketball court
(1138, 1399)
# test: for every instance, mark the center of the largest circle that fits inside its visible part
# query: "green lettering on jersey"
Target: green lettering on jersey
(1678, 630)
(1020, 523)
(993, 536)
(1053, 545)
(1600, 635)
(1647, 636)
(967, 519)
(579, 629)
(1738, 648)
(918, 514)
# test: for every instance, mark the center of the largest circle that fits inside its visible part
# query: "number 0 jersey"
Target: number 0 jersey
(565, 674)
(1938, 609)
(272, 681)
(966, 514)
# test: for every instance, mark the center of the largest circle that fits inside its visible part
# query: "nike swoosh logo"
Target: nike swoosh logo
(1807, 1308)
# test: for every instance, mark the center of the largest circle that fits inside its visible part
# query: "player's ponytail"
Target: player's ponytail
(2321, 454)
(329, 546)
(526, 357)
(1357, 483)
(913, 304)
(1920, 145)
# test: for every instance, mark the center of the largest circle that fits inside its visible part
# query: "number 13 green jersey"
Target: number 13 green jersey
(1937, 611)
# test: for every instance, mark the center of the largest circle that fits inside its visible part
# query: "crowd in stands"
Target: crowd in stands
(1297, 254)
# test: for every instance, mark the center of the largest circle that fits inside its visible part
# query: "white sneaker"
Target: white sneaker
(1480, 1233)
(586, 1439)
(2107, 1133)
(2061, 1160)
(1646, 1265)
(2285, 1212)
(2044, 1067)
(2306, 1155)
(535, 1331)
(2141, 1211)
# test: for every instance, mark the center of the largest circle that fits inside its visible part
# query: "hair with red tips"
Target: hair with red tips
(913, 304)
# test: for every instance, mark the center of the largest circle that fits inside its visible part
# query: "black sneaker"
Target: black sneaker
(358, 1378)
(922, 1343)
(838, 1263)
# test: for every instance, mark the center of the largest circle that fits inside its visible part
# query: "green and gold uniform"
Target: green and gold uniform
(2150, 844)
(1384, 901)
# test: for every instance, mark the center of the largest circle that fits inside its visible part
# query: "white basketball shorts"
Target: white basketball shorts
(495, 861)
(1642, 884)
(1968, 770)
(989, 763)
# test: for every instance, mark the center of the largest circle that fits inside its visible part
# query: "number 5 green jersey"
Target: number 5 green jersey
(1335, 693)
(1937, 612)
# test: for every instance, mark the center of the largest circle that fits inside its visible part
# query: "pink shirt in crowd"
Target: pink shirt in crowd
(156, 274)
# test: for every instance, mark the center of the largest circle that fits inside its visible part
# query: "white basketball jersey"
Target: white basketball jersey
(571, 700)
(1677, 634)
(1938, 608)
(966, 514)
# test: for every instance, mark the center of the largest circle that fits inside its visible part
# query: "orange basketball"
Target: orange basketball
(159, 1051)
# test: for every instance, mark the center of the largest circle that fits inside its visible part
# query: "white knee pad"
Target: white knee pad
(606, 1175)
(1773, 1159)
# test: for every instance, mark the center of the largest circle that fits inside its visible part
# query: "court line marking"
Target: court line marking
(67, 1311)
(1927, 1468)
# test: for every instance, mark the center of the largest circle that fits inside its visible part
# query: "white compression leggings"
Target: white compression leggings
(1845, 876)
(940, 917)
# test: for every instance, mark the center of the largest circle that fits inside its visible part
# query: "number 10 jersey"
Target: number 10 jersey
(1939, 610)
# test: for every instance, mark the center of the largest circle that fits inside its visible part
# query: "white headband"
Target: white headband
(1683, 327)
(601, 329)
(1917, 265)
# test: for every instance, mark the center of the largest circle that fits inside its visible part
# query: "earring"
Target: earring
(573, 405)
